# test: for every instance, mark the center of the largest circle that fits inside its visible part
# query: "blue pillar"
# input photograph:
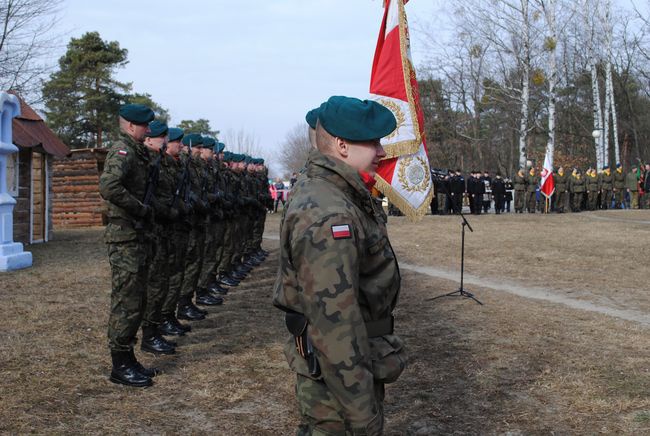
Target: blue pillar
(12, 256)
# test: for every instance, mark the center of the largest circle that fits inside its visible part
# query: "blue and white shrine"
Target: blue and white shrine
(12, 254)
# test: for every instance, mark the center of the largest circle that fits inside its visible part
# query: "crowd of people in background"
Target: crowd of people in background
(575, 191)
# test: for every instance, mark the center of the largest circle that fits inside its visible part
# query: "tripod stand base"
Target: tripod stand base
(458, 293)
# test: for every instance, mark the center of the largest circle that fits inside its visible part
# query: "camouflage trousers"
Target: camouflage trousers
(607, 199)
(176, 264)
(128, 262)
(619, 198)
(576, 198)
(321, 413)
(227, 250)
(561, 201)
(531, 201)
(158, 277)
(238, 239)
(258, 231)
(592, 200)
(213, 239)
(193, 262)
(520, 197)
(634, 199)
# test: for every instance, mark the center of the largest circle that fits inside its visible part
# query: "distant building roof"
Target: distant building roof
(30, 131)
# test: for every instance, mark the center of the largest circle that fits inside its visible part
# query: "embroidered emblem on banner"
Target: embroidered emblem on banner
(341, 231)
(413, 174)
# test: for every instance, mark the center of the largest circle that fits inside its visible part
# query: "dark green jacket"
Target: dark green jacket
(561, 184)
(619, 180)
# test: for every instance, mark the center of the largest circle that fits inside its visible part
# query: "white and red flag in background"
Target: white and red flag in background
(547, 183)
(404, 176)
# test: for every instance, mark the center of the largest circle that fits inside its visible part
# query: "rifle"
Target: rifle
(152, 182)
(182, 185)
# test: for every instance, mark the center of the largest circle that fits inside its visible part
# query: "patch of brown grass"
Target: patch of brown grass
(512, 366)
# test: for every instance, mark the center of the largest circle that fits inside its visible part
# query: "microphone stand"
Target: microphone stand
(460, 292)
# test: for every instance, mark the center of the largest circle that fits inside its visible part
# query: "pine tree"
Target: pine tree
(82, 98)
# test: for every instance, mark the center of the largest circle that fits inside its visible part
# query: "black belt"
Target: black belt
(380, 327)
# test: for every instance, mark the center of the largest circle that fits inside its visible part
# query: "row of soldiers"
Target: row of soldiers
(185, 223)
(577, 191)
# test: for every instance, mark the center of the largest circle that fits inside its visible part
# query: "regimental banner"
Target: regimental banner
(547, 183)
(404, 176)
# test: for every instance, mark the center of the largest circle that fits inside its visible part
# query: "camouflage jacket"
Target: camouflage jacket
(619, 179)
(532, 182)
(123, 184)
(337, 267)
(606, 181)
(165, 190)
(519, 182)
(560, 182)
(592, 183)
(198, 191)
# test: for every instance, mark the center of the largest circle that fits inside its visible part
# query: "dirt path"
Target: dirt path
(550, 295)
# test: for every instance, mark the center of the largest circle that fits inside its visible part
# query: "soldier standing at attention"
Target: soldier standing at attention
(339, 280)
(159, 234)
(520, 190)
(532, 181)
(619, 187)
(591, 182)
(606, 184)
(560, 179)
(577, 190)
(123, 184)
(632, 187)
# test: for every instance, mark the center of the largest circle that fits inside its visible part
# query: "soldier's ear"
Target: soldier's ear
(342, 147)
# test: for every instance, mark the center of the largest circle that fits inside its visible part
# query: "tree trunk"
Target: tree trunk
(525, 86)
(598, 115)
(612, 102)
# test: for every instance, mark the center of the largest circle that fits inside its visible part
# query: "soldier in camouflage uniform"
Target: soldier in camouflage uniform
(224, 267)
(179, 236)
(520, 191)
(339, 280)
(160, 236)
(208, 291)
(532, 182)
(577, 190)
(123, 185)
(606, 186)
(561, 188)
(592, 184)
(619, 187)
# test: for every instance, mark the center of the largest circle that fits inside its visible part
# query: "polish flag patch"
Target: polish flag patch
(122, 152)
(341, 231)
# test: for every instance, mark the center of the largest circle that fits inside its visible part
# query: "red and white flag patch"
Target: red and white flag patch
(122, 152)
(341, 231)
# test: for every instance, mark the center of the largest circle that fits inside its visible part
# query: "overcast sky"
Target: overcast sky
(257, 65)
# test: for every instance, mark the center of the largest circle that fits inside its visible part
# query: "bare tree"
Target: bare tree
(295, 148)
(241, 141)
(26, 41)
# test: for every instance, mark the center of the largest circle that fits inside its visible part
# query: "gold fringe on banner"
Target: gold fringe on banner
(414, 215)
(401, 148)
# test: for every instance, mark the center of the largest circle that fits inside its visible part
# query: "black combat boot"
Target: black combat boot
(237, 275)
(226, 280)
(125, 372)
(152, 342)
(149, 372)
(185, 327)
(189, 312)
(168, 328)
(205, 299)
(215, 288)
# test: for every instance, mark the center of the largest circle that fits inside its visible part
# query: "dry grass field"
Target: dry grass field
(513, 366)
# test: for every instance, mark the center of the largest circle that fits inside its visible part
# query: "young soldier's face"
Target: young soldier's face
(174, 148)
(365, 156)
(196, 151)
(206, 154)
(155, 144)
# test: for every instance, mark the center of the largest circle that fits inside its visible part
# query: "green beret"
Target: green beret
(261, 161)
(355, 120)
(227, 156)
(220, 147)
(208, 142)
(175, 134)
(137, 113)
(157, 129)
(193, 138)
(237, 157)
(312, 117)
